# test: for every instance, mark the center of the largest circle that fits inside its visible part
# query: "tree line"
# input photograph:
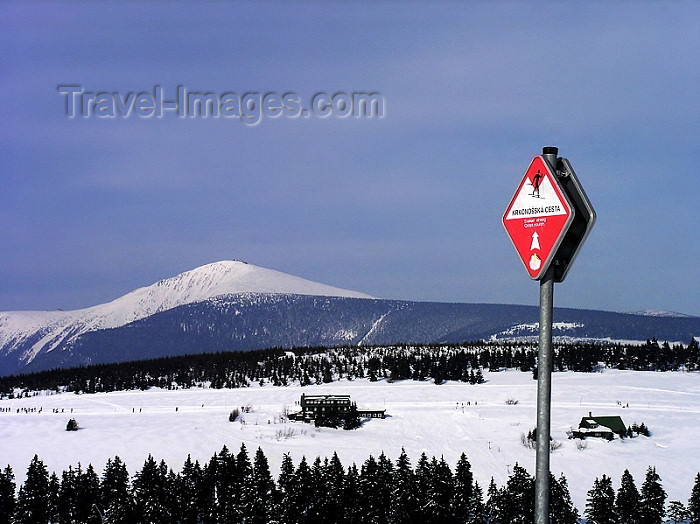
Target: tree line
(437, 362)
(231, 488)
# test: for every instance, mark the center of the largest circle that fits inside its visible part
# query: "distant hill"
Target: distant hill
(233, 306)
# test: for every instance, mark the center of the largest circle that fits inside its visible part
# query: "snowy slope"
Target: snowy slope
(47, 330)
(443, 420)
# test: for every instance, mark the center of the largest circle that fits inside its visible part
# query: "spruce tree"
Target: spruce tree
(518, 502)
(463, 490)
(677, 512)
(368, 490)
(317, 499)
(493, 504)
(694, 502)
(385, 477)
(600, 505)
(242, 485)
(351, 492)
(561, 508)
(627, 501)
(88, 500)
(653, 498)
(287, 510)
(263, 493)
(150, 486)
(302, 491)
(7, 495)
(116, 497)
(403, 497)
(351, 419)
(189, 486)
(423, 483)
(54, 487)
(333, 490)
(68, 495)
(441, 491)
(33, 500)
(477, 507)
(221, 472)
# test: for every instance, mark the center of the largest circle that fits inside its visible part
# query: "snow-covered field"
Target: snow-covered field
(443, 420)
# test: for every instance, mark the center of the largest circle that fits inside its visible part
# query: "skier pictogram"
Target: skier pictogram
(536, 184)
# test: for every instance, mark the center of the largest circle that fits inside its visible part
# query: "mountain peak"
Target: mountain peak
(51, 330)
(236, 276)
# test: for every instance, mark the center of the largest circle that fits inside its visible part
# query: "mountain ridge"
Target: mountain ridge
(234, 306)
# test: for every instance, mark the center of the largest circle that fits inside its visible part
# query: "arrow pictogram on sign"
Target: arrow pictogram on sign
(538, 217)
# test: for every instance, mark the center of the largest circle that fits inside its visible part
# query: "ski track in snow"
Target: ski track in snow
(443, 420)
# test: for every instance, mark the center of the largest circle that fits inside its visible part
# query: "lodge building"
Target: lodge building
(312, 405)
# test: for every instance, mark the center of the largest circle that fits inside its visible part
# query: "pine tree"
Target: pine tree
(600, 505)
(316, 494)
(287, 511)
(218, 477)
(88, 501)
(653, 498)
(385, 477)
(518, 502)
(242, 485)
(171, 500)
(116, 497)
(463, 490)
(368, 489)
(150, 486)
(7, 495)
(403, 497)
(351, 493)
(263, 493)
(189, 486)
(694, 502)
(477, 506)
(352, 418)
(627, 501)
(33, 501)
(423, 476)
(677, 512)
(441, 491)
(334, 479)
(68, 495)
(54, 487)
(493, 504)
(561, 508)
(302, 486)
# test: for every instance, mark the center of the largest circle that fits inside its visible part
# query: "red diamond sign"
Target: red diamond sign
(538, 217)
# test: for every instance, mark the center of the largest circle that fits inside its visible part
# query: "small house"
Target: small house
(600, 426)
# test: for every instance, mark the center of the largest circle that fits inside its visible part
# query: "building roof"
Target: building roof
(613, 422)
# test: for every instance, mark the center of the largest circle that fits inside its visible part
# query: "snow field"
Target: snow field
(443, 420)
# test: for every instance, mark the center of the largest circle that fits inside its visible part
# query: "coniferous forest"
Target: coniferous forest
(232, 488)
(437, 362)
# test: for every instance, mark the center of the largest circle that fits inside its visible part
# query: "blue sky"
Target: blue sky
(405, 206)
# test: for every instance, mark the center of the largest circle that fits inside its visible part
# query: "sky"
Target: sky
(406, 204)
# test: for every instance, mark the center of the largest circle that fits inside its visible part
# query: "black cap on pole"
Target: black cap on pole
(550, 150)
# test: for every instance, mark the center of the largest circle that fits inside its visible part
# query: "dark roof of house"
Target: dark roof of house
(614, 422)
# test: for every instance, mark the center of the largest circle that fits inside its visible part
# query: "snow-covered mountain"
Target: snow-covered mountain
(234, 306)
(26, 334)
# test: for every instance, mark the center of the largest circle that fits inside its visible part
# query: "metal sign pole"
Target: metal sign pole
(547, 233)
(544, 398)
(544, 380)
